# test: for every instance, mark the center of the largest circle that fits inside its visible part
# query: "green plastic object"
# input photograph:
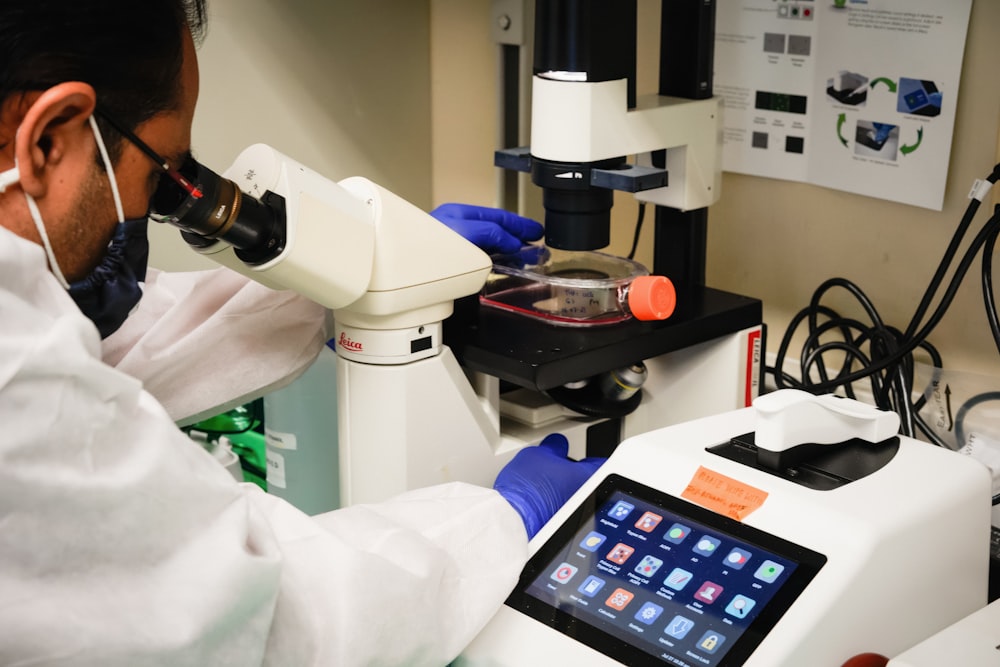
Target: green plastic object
(242, 427)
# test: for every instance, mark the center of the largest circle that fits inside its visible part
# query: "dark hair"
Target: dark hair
(130, 51)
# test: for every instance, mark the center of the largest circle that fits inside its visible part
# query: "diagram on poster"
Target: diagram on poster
(856, 95)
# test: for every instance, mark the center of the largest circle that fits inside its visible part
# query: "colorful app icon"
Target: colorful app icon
(648, 521)
(709, 592)
(677, 533)
(620, 553)
(711, 641)
(648, 613)
(621, 510)
(592, 541)
(564, 573)
(678, 579)
(619, 599)
(678, 627)
(740, 606)
(769, 571)
(706, 545)
(648, 566)
(737, 558)
(591, 586)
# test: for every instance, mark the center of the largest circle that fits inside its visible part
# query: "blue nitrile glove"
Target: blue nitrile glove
(539, 480)
(492, 229)
(882, 131)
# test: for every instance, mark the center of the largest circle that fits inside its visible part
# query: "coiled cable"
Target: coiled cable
(880, 355)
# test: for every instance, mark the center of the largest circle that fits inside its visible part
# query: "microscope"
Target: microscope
(592, 135)
(432, 387)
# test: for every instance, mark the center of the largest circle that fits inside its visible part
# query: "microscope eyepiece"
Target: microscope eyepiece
(220, 210)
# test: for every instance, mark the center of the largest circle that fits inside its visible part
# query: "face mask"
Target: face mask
(111, 291)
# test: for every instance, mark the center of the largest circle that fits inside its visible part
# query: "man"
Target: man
(122, 542)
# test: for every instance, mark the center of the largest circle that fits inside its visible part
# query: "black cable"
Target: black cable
(784, 380)
(881, 355)
(638, 229)
(989, 300)
(935, 361)
(949, 256)
(882, 343)
(914, 342)
(988, 230)
(867, 305)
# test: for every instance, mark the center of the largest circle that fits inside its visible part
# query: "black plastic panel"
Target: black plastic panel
(534, 354)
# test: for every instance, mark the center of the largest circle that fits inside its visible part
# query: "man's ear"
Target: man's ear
(54, 134)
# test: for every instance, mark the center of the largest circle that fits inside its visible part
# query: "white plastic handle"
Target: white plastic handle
(791, 417)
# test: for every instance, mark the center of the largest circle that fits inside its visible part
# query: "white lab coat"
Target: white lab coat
(205, 341)
(124, 543)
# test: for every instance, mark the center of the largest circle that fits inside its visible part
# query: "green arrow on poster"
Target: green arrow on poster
(888, 82)
(909, 149)
(841, 119)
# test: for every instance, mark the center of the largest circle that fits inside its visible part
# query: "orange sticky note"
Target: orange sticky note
(723, 495)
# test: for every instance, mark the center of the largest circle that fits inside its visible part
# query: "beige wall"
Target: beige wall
(464, 71)
(770, 239)
(343, 88)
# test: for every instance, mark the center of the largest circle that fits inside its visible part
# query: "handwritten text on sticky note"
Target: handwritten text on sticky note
(723, 495)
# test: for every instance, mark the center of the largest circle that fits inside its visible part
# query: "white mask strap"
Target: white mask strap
(9, 178)
(36, 216)
(107, 167)
(12, 176)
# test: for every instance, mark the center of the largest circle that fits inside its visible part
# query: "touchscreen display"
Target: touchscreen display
(647, 578)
